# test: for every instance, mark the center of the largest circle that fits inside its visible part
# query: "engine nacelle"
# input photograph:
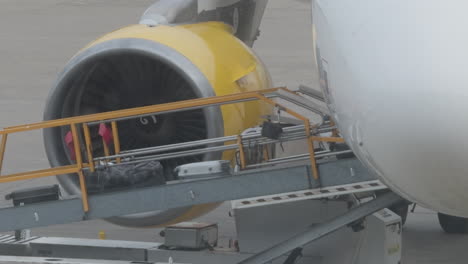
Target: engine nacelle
(143, 65)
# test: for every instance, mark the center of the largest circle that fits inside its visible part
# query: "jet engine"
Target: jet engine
(150, 64)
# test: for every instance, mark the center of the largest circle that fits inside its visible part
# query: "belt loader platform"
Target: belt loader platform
(280, 186)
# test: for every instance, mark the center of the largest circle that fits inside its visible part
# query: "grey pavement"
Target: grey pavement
(38, 37)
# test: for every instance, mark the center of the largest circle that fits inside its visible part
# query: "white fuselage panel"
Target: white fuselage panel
(395, 74)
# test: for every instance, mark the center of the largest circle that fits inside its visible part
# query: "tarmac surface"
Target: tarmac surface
(38, 37)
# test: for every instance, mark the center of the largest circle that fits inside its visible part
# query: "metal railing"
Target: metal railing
(306, 131)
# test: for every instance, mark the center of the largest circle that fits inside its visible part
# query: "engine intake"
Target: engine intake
(144, 65)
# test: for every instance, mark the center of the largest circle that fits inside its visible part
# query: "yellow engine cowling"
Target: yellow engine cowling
(143, 65)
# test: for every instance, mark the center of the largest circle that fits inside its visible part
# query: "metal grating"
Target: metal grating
(318, 193)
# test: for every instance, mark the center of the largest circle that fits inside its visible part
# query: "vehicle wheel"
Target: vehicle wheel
(453, 224)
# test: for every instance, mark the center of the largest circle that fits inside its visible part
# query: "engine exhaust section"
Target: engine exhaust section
(151, 64)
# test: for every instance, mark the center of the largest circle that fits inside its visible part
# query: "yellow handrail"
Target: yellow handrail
(2, 150)
(115, 136)
(85, 121)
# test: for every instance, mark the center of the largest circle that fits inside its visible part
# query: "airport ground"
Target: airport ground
(38, 37)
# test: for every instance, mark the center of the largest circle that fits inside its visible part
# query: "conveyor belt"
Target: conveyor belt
(242, 185)
(323, 171)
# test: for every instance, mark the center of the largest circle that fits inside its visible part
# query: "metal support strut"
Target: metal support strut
(319, 231)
